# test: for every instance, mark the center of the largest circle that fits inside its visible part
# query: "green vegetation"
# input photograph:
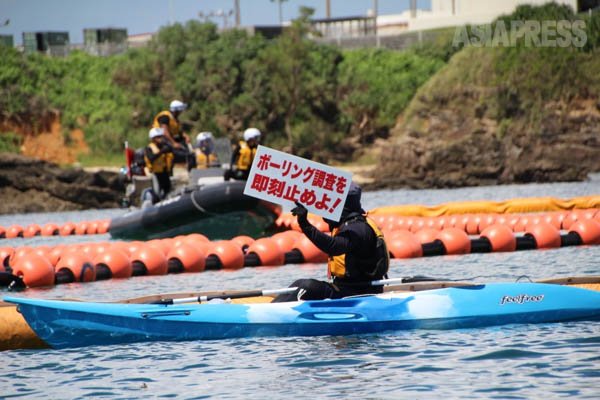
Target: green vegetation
(306, 98)
(10, 142)
(513, 85)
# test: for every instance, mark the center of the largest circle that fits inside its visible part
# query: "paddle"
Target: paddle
(225, 295)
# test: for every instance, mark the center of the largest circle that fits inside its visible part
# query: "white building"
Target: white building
(448, 13)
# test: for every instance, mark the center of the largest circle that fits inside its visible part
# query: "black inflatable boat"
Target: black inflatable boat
(218, 211)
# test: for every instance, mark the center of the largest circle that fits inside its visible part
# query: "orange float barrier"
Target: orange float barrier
(309, 251)
(66, 229)
(404, 244)
(229, 254)
(186, 258)
(501, 238)
(35, 270)
(149, 260)
(243, 242)
(14, 231)
(20, 252)
(546, 236)
(588, 230)
(455, 241)
(113, 263)
(286, 240)
(32, 230)
(268, 251)
(427, 235)
(81, 228)
(50, 229)
(75, 266)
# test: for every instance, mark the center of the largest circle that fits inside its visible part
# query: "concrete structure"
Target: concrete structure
(139, 40)
(105, 41)
(50, 43)
(448, 13)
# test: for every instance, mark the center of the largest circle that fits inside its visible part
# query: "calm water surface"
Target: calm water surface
(525, 361)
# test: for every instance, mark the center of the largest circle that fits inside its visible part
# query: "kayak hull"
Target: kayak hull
(64, 324)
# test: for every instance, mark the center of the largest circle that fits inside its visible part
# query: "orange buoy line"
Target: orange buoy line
(52, 229)
(46, 266)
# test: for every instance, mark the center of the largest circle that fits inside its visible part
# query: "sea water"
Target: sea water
(560, 360)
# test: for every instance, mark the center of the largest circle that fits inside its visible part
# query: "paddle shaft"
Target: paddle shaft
(238, 295)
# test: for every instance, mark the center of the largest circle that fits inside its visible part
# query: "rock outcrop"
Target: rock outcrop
(33, 185)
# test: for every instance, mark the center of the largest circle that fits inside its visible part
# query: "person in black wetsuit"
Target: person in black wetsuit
(357, 254)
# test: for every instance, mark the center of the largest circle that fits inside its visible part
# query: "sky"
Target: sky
(143, 16)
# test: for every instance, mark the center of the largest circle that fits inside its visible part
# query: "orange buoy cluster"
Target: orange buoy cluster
(45, 265)
(52, 229)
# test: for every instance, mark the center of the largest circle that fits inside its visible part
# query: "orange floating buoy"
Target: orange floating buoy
(404, 244)
(268, 251)
(427, 235)
(590, 213)
(20, 252)
(546, 236)
(458, 222)
(123, 246)
(42, 250)
(14, 231)
(502, 220)
(230, 255)
(243, 242)
(93, 227)
(50, 229)
(152, 259)
(285, 240)
(66, 229)
(432, 223)
(80, 264)
(55, 253)
(81, 228)
(134, 246)
(32, 230)
(89, 249)
(588, 230)
(191, 258)
(310, 252)
(6, 253)
(455, 241)
(417, 224)
(35, 270)
(163, 245)
(321, 225)
(103, 226)
(522, 223)
(472, 225)
(513, 220)
(501, 238)
(569, 220)
(554, 218)
(117, 262)
(487, 220)
(196, 237)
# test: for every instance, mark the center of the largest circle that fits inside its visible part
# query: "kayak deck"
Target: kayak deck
(74, 324)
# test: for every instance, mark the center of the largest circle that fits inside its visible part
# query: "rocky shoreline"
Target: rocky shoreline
(33, 185)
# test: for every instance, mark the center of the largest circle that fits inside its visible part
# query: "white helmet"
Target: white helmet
(251, 133)
(155, 132)
(177, 105)
(202, 136)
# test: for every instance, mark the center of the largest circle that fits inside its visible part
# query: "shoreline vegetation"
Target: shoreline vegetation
(436, 115)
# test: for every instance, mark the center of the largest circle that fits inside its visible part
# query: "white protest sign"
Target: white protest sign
(282, 178)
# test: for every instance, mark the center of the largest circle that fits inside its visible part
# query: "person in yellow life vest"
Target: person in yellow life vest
(357, 253)
(159, 160)
(243, 155)
(205, 151)
(179, 140)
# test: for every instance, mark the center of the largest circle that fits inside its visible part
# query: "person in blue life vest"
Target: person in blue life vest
(174, 134)
(158, 156)
(243, 155)
(205, 151)
(357, 254)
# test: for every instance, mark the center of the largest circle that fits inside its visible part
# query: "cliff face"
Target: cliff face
(32, 185)
(498, 116)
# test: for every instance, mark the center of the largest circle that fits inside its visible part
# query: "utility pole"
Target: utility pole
(171, 12)
(237, 13)
(413, 8)
(280, 12)
(328, 8)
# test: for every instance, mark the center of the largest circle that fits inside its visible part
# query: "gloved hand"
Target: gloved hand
(300, 212)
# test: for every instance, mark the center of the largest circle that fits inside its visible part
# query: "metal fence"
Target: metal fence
(393, 42)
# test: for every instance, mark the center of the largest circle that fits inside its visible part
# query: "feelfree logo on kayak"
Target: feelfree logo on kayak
(520, 299)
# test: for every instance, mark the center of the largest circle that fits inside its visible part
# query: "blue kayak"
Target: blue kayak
(64, 324)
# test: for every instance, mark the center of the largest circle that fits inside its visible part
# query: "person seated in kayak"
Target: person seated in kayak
(159, 160)
(205, 151)
(357, 254)
(179, 140)
(243, 155)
